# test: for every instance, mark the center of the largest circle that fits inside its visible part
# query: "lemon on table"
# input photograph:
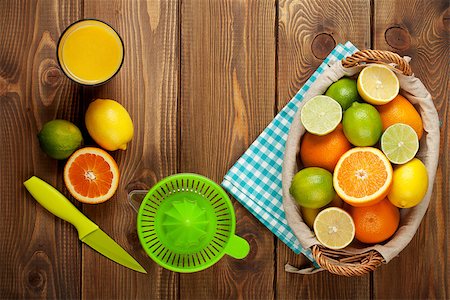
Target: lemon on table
(109, 124)
(362, 124)
(334, 228)
(344, 91)
(321, 115)
(312, 187)
(60, 138)
(409, 184)
(399, 143)
(377, 84)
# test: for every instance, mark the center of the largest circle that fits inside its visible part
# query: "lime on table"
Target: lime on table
(362, 124)
(334, 228)
(399, 143)
(377, 84)
(321, 115)
(312, 187)
(60, 138)
(344, 91)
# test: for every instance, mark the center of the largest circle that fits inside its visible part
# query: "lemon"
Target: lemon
(312, 187)
(310, 214)
(344, 91)
(334, 228)
(377, 84)
(60, 138)
(321, 115)
(109, 124)
(409, 184)
(399, 143)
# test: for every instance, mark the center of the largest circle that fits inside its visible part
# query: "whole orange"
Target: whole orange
(324, 151)
(400, 110)
(376, 223)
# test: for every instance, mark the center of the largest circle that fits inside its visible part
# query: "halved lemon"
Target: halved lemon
(377, 84)
(91, 175)
(321, 115)
(363, 176)
(334, 228)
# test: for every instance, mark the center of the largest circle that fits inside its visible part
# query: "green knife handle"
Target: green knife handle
(60, 206)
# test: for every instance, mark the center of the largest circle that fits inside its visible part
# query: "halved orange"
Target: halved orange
(91, 175)
(363, 176)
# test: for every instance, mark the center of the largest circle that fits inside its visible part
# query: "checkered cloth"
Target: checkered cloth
(255, 179)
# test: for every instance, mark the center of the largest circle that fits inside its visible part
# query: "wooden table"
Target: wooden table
(201, 80)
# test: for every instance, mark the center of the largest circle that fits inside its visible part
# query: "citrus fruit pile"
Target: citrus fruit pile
(91, 174)
(360, 146)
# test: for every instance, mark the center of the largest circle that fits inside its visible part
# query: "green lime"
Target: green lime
(362, 124)
(321, 115)
(399, 143)
(344, 91)
(60, 138)
(312, 187)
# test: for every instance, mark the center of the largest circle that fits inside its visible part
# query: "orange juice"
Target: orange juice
(90, 52)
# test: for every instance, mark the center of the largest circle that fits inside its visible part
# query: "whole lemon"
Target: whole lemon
(312, 187)
(60, 138)
(109, 124)
(362, 124)
(409, 184)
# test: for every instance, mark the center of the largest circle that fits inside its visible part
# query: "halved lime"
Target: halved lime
(399, 143)
(321, 115)
(334, 228)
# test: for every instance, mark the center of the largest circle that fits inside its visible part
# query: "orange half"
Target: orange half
(363, 176)
(91, 175)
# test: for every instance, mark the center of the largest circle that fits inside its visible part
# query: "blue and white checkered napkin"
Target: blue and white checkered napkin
(255, 179)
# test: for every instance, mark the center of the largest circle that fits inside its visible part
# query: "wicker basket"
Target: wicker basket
(338, 262)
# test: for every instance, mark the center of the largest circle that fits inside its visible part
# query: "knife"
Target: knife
(88, 232)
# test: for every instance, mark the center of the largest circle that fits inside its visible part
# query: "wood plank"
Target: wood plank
(40, 254)
(227, 98)
(420, 29)
(307, 32)
(147, 85)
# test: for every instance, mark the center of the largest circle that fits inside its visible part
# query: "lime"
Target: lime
(399, 143)
(344, 91)
(312, 187)
(60, 138)
(321, 115)
(334, 228)
(377, 84)
(362, 124)
(109, 124)
(309, 215)
(409, 185)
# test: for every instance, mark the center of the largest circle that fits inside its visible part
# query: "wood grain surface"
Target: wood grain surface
(201, 79)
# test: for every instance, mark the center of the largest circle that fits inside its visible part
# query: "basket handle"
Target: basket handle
(383, 57)
(353, 265)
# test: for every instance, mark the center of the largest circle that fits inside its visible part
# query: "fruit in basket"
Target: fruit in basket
(91, 175)
(321, 115)
(400, 110)
(363, 176)
(399, 143)
(362, 124)
(109, 124)
(376, 223)
(334, 228)
(409, 185)
(377, 84)
(60, 138)
(310, 214)
(344, 91)
(312, 187)
(324, 151)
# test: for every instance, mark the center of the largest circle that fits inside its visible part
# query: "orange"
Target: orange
(91, 175)
(376, 223)
(324, 151)
(400, 110)
(363, 176)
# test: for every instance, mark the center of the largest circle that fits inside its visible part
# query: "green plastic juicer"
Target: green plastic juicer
(186, 223)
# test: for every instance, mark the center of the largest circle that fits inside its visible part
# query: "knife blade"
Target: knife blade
(88, 232)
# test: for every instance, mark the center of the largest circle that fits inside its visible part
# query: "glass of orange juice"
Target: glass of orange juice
(90, 52)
